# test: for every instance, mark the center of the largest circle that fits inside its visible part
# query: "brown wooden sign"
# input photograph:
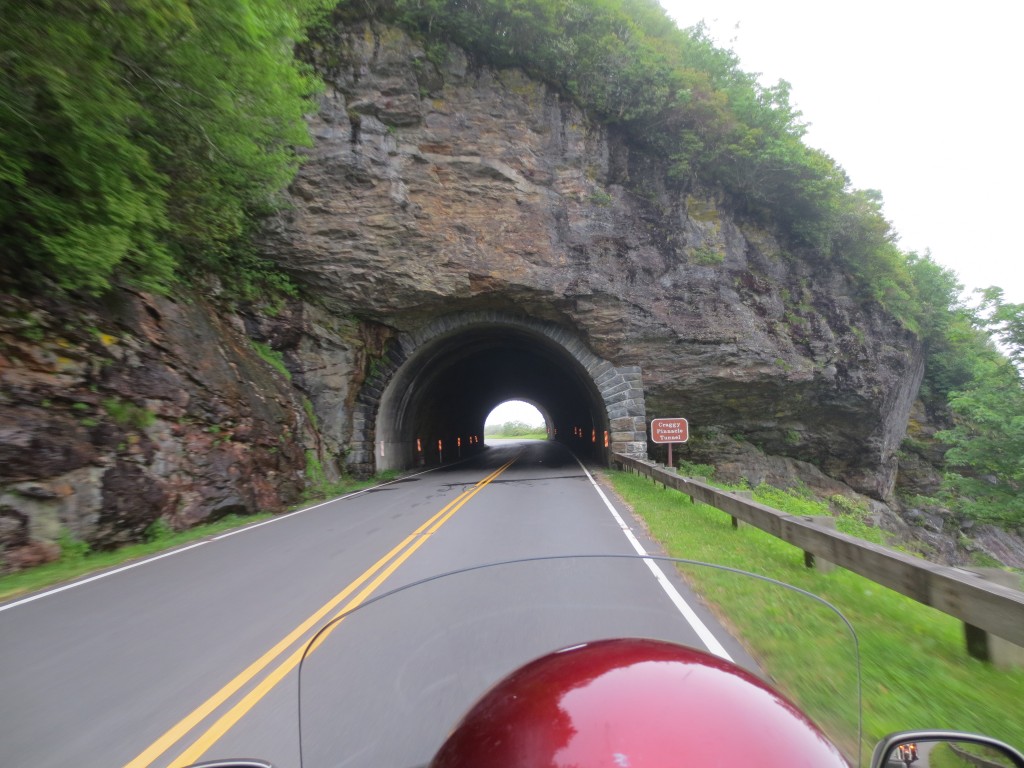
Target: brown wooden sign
(670, 430)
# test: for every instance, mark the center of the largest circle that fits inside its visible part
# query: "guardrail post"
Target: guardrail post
(692, 500)
(742, 495)
(816, 561)
(984, 645)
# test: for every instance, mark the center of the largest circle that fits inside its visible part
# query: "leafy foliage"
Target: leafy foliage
(976, 387)
(1005, 322)
(273, 357)
(127, 414)
(954, 344)
(986, 457)
(987, 453)
(140, 138)
(513, 428)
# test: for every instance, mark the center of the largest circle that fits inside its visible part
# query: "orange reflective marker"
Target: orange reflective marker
(419, 445)
(606, 438)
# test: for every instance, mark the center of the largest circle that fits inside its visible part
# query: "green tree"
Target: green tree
(982, 387)
(955, 344)
(986, 460)
(137, 136)
(513, 428)
(78, 195)
(1005, 322)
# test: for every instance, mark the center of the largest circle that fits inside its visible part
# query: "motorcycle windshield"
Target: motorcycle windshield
(386, 683)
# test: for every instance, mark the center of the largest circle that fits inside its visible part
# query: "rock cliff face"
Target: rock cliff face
(115, 416)
(434, 190)
(439, 188)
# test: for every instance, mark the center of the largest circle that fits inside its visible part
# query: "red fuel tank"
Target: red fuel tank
(634, 703)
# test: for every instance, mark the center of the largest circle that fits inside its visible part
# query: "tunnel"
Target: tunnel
(431, 395)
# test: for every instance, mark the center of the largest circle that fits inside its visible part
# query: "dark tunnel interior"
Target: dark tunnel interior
(434, 407)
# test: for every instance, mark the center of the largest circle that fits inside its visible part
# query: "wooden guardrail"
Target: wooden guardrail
(980, 604)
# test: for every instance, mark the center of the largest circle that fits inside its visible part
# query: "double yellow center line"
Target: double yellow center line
(365, 584)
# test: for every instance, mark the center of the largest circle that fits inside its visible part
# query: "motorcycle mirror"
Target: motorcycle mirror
(242, 762)
(944, 749)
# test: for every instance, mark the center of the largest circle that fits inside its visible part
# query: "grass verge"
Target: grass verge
(916, 671)
(319, 487)
(527, 436)
(78, 560)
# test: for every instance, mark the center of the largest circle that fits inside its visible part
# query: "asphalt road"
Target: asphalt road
(193, 655)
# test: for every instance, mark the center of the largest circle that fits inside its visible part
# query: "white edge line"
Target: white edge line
(178, 551)
(99, 576)
(706, 636)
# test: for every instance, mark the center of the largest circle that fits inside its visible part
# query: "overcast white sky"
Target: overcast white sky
(921, 100)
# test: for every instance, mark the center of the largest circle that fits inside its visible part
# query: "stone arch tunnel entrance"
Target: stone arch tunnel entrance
(429, 397)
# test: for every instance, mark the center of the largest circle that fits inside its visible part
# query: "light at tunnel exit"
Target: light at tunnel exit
(516, 410)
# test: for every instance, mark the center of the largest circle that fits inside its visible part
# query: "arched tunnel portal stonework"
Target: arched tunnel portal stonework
(439, 383)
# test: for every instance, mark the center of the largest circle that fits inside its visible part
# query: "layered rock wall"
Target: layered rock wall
(442, 187)
(144, 408)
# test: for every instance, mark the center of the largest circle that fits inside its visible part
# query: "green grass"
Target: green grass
(917, 673)
(346, 484)
(78, 560)
(527, 436)
(319, 487)
(272, 357)
(127, 414)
